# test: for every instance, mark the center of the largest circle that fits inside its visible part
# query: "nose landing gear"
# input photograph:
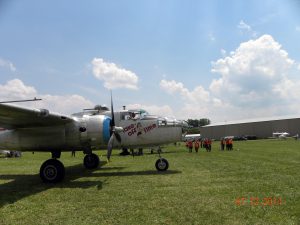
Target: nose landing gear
(161, 164)
(91, 161)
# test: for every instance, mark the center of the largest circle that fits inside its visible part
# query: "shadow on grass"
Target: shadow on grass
(21, 186)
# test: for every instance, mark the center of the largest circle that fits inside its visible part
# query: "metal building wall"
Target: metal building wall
(262, 129)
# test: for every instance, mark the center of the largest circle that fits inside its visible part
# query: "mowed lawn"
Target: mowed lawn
(257, 183)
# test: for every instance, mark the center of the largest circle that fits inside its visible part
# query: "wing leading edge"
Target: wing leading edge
(13, 116)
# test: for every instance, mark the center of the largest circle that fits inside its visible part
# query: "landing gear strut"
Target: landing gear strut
(53, 171)
(161, 164)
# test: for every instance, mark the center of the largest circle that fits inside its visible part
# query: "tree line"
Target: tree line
(194, 125)
(198, 123)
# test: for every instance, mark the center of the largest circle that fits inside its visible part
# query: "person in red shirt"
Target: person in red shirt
(227, 144)
(209, 145)
(206, 144)
(222, 144)
(230, 144)
(197, 145)
(190, 143)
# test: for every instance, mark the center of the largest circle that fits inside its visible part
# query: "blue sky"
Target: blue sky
(169, 57)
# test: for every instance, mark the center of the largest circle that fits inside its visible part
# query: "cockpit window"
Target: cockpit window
(134, 114)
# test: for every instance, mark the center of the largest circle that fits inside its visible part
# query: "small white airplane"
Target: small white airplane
(191, 137)
(29, 129)
(10, 154)
(6, 153)
(280, 135)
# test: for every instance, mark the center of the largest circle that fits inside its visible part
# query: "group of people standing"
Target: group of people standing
(226, 143)
(202, 143)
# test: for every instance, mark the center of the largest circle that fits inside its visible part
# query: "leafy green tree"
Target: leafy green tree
(204, 122)
(194, 130)
(198, 123)
(193, 123)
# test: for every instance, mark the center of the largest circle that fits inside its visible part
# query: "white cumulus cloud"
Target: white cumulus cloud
(243, 25)
(196, 102)
(198, 94)
(252, 71)
(254, 82)
(172, 86)
(113, 76)
(16, 90)
(223, 52)
(246, 28)
(7, 64)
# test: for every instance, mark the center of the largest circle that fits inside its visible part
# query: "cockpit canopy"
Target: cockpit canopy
(141, 114)
(166, 121)
(135, 114)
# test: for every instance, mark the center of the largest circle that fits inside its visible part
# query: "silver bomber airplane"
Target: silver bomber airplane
(29, 129)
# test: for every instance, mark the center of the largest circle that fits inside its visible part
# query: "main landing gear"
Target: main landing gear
(161, 164)
(53, 171)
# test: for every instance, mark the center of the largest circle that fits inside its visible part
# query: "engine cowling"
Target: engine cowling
(95, 130)
(88, 131)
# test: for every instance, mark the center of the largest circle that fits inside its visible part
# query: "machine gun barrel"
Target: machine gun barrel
(26, 100)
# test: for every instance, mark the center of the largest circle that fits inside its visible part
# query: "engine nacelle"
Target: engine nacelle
(94, 130)
(87, 132)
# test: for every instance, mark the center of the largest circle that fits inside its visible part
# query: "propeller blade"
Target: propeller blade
(114, 130)
(110, 146)
(112, 111)
(118, 137)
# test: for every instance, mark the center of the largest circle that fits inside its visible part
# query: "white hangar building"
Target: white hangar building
(261, 128)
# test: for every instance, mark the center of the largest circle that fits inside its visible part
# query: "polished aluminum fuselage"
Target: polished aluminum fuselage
(60, 137)
(93, 131)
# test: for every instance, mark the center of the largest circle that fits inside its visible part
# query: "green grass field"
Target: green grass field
(204, 188)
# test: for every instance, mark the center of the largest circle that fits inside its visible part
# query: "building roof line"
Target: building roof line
(253, 120)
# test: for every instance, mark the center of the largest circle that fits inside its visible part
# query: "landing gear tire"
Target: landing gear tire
(91, 161)
(162, 164)
(52, 171)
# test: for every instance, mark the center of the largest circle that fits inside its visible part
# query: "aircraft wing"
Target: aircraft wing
(13, 116)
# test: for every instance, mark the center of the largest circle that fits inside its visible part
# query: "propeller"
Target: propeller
(114, 131)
